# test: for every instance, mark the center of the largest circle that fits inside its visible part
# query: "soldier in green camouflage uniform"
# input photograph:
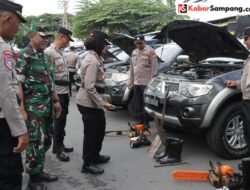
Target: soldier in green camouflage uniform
(35, 75)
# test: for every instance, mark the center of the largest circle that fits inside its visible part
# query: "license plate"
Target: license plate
(151, 101)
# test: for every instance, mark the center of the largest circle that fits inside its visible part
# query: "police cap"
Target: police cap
(65, 32)
(6, 5)
(139, 38)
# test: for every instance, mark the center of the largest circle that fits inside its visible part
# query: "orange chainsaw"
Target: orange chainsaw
(218, 176)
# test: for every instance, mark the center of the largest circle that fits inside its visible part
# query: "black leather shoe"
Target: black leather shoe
(47, 177)
(92, 169)
(68, 149)
(102, 159)
(62, 156)
(36, 186)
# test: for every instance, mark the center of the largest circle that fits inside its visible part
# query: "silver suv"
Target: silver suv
(197, 96)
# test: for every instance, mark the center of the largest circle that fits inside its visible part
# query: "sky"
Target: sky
(37, 7)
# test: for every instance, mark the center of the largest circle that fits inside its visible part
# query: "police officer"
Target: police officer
(38, 97)
(13, 132)
(143, 67)
(90, 103)
(244, 85)
(56, 54)
(71, 59)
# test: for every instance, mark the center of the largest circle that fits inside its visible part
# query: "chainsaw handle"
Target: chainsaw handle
(212, 167)
(219, 172)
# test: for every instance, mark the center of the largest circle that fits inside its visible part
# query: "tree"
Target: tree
(50, 21)
(123, 16)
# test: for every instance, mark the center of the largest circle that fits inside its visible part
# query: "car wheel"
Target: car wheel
(226, 136)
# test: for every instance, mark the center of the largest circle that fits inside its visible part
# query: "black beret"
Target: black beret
(15, 8)
(139, 38)
(97, 34)
(66, 32)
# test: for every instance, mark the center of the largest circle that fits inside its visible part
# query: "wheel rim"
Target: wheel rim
(234, 133)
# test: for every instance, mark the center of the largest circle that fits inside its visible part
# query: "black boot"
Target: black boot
(47, 177)
(35, 183)
(61, 155)
(174, 155)
(68, 149)
(246, 173)
(91, 169)
(102, 159)
(165, 153)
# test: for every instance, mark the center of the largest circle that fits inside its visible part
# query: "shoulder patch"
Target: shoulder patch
(8, 59)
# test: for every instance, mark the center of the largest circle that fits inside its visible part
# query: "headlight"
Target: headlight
(195, 90)
(119, 77)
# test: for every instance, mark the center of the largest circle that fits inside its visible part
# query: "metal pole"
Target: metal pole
(63, 4)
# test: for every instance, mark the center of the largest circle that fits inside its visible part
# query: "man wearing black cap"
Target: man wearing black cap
(13, 131)
(143, 67)
(56, 54)
(244, 85)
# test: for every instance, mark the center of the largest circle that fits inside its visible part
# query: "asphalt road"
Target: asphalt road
(129, 168)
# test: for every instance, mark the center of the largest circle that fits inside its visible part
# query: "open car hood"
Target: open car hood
(125, 42)
(202, 40)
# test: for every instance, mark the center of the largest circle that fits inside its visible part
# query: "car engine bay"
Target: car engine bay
(204, 70)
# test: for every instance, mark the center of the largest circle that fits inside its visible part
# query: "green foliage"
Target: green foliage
(50, 21)
(123, 16)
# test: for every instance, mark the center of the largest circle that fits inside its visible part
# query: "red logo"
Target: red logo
(182, 8)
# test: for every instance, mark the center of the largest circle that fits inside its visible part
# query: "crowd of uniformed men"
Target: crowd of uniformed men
(35, 93)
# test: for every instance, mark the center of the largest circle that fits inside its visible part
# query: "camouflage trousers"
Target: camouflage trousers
(40, 137)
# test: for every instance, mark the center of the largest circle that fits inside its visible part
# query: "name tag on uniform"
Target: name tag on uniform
(8, 59)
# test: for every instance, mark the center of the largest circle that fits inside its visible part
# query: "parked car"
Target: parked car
(198, 98)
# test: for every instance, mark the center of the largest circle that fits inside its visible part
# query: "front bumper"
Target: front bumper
(180, 111)
(170, 119)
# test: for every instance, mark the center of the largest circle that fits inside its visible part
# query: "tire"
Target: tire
(220, 136)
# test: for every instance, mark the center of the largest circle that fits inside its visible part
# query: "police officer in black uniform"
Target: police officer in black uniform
(13, 132)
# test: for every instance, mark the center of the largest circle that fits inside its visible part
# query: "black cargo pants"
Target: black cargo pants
(140, 112)
(60, 123)
(11, 166)
(246, 121)
(94, 130)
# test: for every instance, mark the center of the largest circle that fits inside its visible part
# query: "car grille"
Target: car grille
(173, 87)
(170, 110)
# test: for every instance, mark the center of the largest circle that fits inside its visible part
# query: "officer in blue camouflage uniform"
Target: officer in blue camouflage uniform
(13, 132)
(38, 98)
